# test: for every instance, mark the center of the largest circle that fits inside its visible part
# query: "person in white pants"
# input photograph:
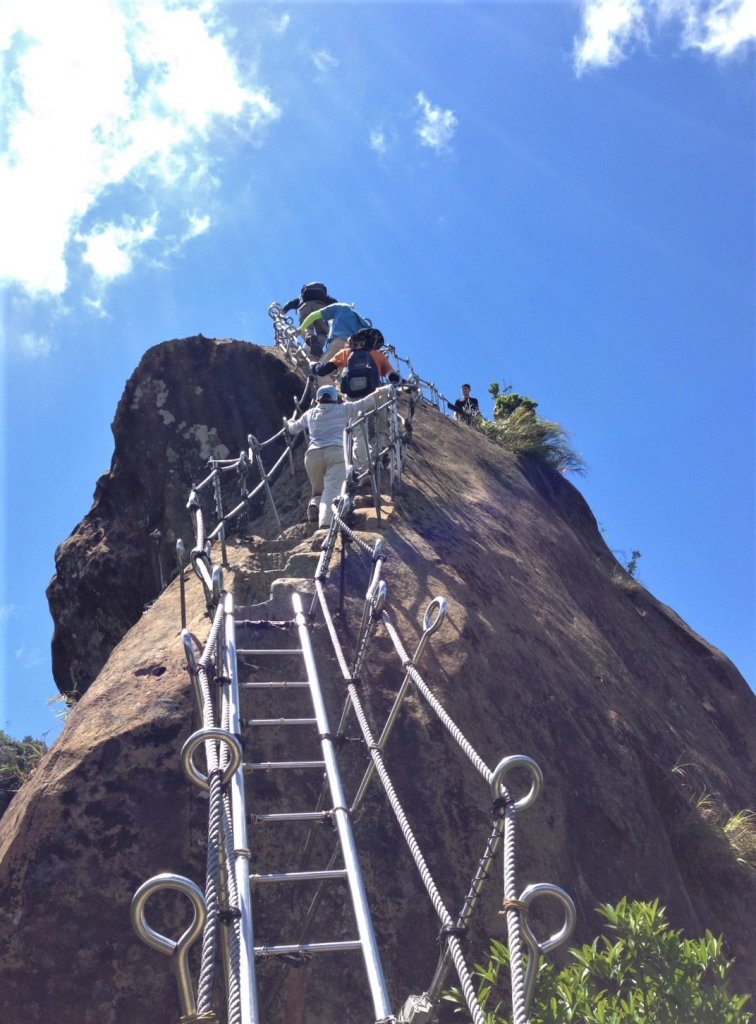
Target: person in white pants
(324, 459)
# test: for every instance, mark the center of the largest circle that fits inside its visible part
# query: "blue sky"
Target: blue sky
(557, 196)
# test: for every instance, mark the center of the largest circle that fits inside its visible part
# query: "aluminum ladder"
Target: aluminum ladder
(337, 812)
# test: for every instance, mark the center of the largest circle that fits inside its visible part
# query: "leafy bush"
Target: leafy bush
(517, 427)
(704, 815)
(627, 577)
(18, 759)
(644, 972)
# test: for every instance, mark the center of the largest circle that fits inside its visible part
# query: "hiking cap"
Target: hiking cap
(327, 393)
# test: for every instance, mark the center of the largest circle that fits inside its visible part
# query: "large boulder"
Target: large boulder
(188, 401)
(547, 650)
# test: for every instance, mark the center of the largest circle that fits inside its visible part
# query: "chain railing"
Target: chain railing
(223, 912)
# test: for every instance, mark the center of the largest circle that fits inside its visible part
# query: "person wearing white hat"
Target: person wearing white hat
(324, 459)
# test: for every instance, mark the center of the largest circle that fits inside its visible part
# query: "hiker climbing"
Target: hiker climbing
(312, 297)
(324, 459)
(363, 364)
(343, 320)
(466, 408)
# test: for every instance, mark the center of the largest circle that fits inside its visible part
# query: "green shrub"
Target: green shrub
(644, 971)
(18, 759)
(517, 427)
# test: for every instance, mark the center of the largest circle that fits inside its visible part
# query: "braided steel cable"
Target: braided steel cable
(353, 537)
(419, 859)
(233, 902)
(212, 892)
(398, 810)
(213, 867)
(514, 924)
(331, 627)
(441, 713)
(468, 988)
(469, 904)
(232, 906)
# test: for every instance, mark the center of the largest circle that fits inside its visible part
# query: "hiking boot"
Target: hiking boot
(313, 510)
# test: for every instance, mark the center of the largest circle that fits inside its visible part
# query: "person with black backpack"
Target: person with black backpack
(363, 365)
(312, 296)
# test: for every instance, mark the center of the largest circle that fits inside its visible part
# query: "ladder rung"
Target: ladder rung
(260, 819)
(310, 947)
(266, 766)
(273, 684)
(299, 876)
(280, 721)
(268, 650)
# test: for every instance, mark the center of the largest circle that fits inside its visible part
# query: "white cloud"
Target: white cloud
(30, 658)
(198, 224)
(723, 28)
(133, 100)
(33, 346)
(280, 24)
(611, 28)
(378, 140)
(109, 249)
(436, 126)
(323, 60)
(8, 611)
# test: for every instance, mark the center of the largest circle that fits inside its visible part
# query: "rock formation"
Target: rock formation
(188, 401)
(543, 653)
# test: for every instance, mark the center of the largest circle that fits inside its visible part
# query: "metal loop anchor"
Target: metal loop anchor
(439, 607)
(217, 584)
(376, 597)
(535, 947)
(504, 767)
(202, 736)
(178, 950)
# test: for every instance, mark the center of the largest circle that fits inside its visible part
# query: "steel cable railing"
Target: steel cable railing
(223, 913)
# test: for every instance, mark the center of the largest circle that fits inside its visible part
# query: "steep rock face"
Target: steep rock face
(542, 653)
(175, 414)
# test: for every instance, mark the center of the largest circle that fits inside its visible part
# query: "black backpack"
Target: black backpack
(361, 376)
(316, 291)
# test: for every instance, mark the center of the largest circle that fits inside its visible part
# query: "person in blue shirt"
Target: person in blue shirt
(344, 322)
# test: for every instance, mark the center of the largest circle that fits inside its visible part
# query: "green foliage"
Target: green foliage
(705, 816)
(644, 971)
(626, 577)
(632, 566)
(18, 759)
(506, 401)
(740, 830)
(516, 427)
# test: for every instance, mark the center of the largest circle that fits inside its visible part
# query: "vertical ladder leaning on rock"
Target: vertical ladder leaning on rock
(337, 812)
(224, 911)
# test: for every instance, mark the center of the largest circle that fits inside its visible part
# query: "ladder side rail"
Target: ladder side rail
(240, 853)
(356, 883)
